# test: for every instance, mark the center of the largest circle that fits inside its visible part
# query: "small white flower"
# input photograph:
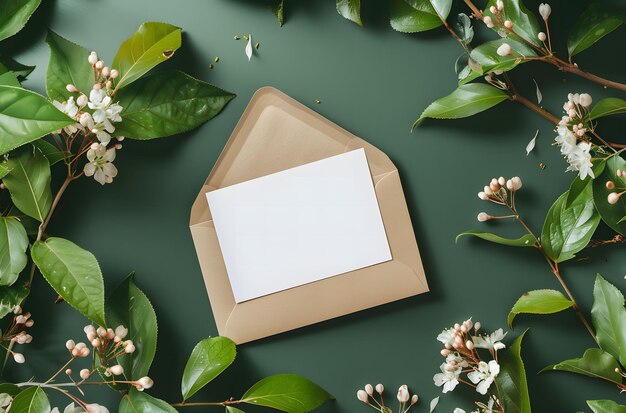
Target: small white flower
(484, 376)
(566, 140)
(457, 410)
(504, 50)
(585, 99)
(447, 336)
(490, 342)
(100, 164)
(5, 402)
(93, 58)
(96, 408)
(579, 159)
(121, 331)
(448, 379)
(545, 10)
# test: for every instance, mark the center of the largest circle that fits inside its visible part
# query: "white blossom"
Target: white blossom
(447, 336)
(491, 341)
(545, 10)
(580, 160)
(484, 375)
(5, 402)
(100, 164)
(566, 140)
(448, 379)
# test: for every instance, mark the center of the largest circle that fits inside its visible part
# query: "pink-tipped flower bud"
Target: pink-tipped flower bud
(501, 181)
(96, 342)
(414, 399)
(82, 101)
(106, 71)
(508, 24)
(84, 374)
(68, 372)
(117, 370)
(445, 352)
(493, 9)
(129, 347)
(483, 196)
(145, 382)
(585, 100)
(483, 216)
(369, 389)
(93, 58)
(380, 388)
(361, 395)
(99, 65)
(403, 394)
(101, 331)
(504, 50)
(70, 344)
(470, 345)
(514, 184)
(71, 88)
(500, 5)
(610, 185)
(114, 74)
(613, 198)
(29, 323)
(488, 21)
(19, 358)
(477, 325)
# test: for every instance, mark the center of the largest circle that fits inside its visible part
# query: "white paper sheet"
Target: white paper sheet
(300, 225)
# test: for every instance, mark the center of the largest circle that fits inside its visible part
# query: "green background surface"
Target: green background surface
(374, 82)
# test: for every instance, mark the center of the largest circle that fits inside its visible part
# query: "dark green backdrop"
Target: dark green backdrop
(374, 82)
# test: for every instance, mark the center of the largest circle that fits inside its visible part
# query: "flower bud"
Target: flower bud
(483, 196)
(145, 382)
(585, 100)
(613, 198)
(361, 395)
(106, 71)
(119, 139)
(477, 325)
(93, 58)
(380, 388)
(403, 394)
(70, 344)
(487, 190)
(17, 309)
(84, 374)
(96, 342)
(414, 399)
(101, 331)
(369, 389)
(19, 358)
(445, 352)
(110, 333)
(483, 216)
(470, 345)
(493, 9)
(99, 65)
(542, 36)
(514, 184)
(71, 88)
(610, 185)
(29, 323)
(117, 370)
(488, 21)
(114, 74)
(504, 50)
(82, 101)
(545, 10)
(508, 24)
(500, 5)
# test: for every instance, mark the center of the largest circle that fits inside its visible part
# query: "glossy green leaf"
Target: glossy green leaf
(595, 22)
(594, 363)
(524, 21)
(231, 409)
(9, 79)
(130, 307)
(20, 70)
(539, 302)
(14, 14)
(153, 43)
(26, 116)
(578, 186)
(489, 60)
(51, 152)
(523, 241)
(442, 7)
(208, 360)
(568, 229)
(288, 393)
(607, 107)
(412, 16)
(463, 28)
(609, 318)
(13, 245)
(10, 297)
(605, 406)
(74, 274)
(512, 379)
(10, 389)
(29, 183)
(140, 402)
(168, 103)
(31, 400)
(351, 10)
(465, 101)
(68, 65)
(278, 9)
(611, 214)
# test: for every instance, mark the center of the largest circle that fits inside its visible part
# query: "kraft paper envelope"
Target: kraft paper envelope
(276, 133)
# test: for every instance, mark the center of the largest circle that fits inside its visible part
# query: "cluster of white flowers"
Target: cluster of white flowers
(367, 396)
(570, 130)
(461, 343)
(620, 187)
(95, 113)
(496, 192)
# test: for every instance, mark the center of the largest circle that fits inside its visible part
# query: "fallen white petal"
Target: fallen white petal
(433, 403)
(249, 48)
(539, 95)
(531, 144)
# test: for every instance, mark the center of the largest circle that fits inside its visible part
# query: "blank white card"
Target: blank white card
(298, 226)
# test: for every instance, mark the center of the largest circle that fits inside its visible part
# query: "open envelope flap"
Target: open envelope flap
(276, 133)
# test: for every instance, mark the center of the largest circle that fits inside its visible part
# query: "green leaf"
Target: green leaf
(278, 11)
(579, 186)
(10, 389)
(609, 318)
(51, 152)
(208, 360)
(288, 393)
(412, 16)
(568, 229)
(607, 107)
(130, 307)
(594, 363)
(606, 406)
(74, 273)
(594, 23)
(523, 241)
(611, 214)
(9, 79)
(231, 409)
(168, 103)
(442, 7)
(489, 60)
(463, 28)
(524, 22)
(26, 116)
(13, 245)
(153, 43)
(465, 101)
(68, 65)
(31, 400)
(512, 379)
(140, 402)
(539, 302)
(14, 14)
(20, 70)
(10, 297)
(29, 183)
(351, 10)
